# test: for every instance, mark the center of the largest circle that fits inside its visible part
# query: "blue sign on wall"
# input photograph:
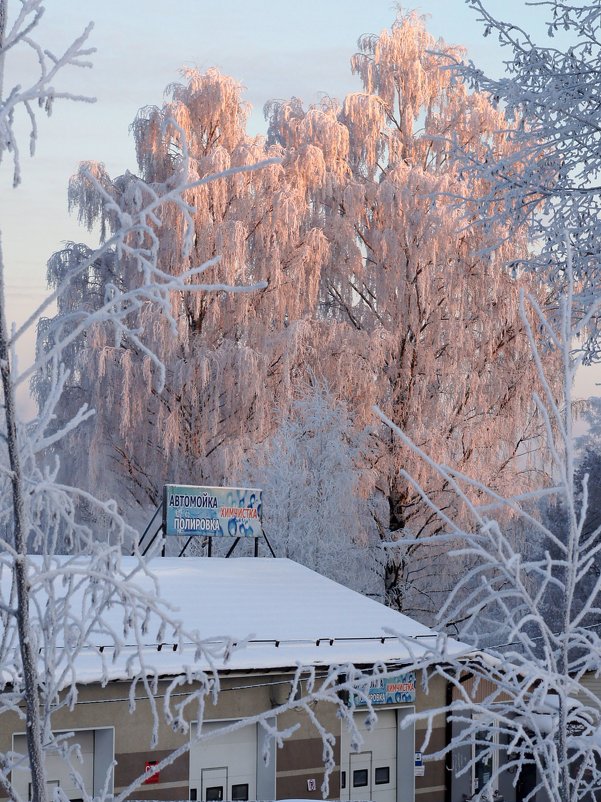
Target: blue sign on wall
(391, 690)
(214, 511)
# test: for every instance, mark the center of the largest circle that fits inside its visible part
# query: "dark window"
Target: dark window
(193, 794)
(360, 778)
(343, 779)
(382, 775)
(240, 792)
(215, 793)
(483, 766)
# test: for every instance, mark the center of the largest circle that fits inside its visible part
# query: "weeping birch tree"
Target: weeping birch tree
(375, 285)
(413, 274)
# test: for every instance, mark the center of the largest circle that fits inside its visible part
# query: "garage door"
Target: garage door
(57, 771)
(224, 767)
(371, 772)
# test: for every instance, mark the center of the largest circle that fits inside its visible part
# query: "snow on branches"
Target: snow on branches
(532, 596)
(42, 92)
(57, 612)
(374, 285)
(549, 177)
(532, 604)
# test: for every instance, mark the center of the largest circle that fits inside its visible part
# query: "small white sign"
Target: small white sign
(311, 785)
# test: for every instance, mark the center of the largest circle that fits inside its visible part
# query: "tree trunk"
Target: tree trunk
(28, 658)
(394, 568)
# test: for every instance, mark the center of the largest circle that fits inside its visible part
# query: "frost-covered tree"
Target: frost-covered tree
(374, 284)
(312, 474)
(411, 277)
(52, 609)
(532, 698)
(230, 365)
(549, 178)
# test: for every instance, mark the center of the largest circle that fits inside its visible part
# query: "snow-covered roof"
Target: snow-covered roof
(289, 614)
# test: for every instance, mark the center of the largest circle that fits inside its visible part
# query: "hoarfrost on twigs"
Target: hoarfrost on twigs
(92, 606)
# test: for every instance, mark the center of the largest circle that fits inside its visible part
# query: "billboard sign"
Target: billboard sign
(213, 511)
(392, 690)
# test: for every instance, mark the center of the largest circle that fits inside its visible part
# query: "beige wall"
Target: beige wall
(593, 685)
(431, 787)
(299, 760)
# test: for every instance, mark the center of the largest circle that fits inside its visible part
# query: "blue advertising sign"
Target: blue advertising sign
(214, 511)
(391, 690)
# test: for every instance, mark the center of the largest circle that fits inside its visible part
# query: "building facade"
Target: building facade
(229, 765)
(298, 618)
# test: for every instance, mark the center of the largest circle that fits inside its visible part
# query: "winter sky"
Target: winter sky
(275, 48)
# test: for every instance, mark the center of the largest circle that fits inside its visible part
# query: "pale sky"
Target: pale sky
(275, 49)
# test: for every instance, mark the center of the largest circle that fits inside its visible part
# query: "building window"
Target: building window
(215, 793)
(360, 778)
(240, 792)
(343, 779)
(382, 775)
(485, 754)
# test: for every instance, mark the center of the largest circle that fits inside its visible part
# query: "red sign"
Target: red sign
(150, 764)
